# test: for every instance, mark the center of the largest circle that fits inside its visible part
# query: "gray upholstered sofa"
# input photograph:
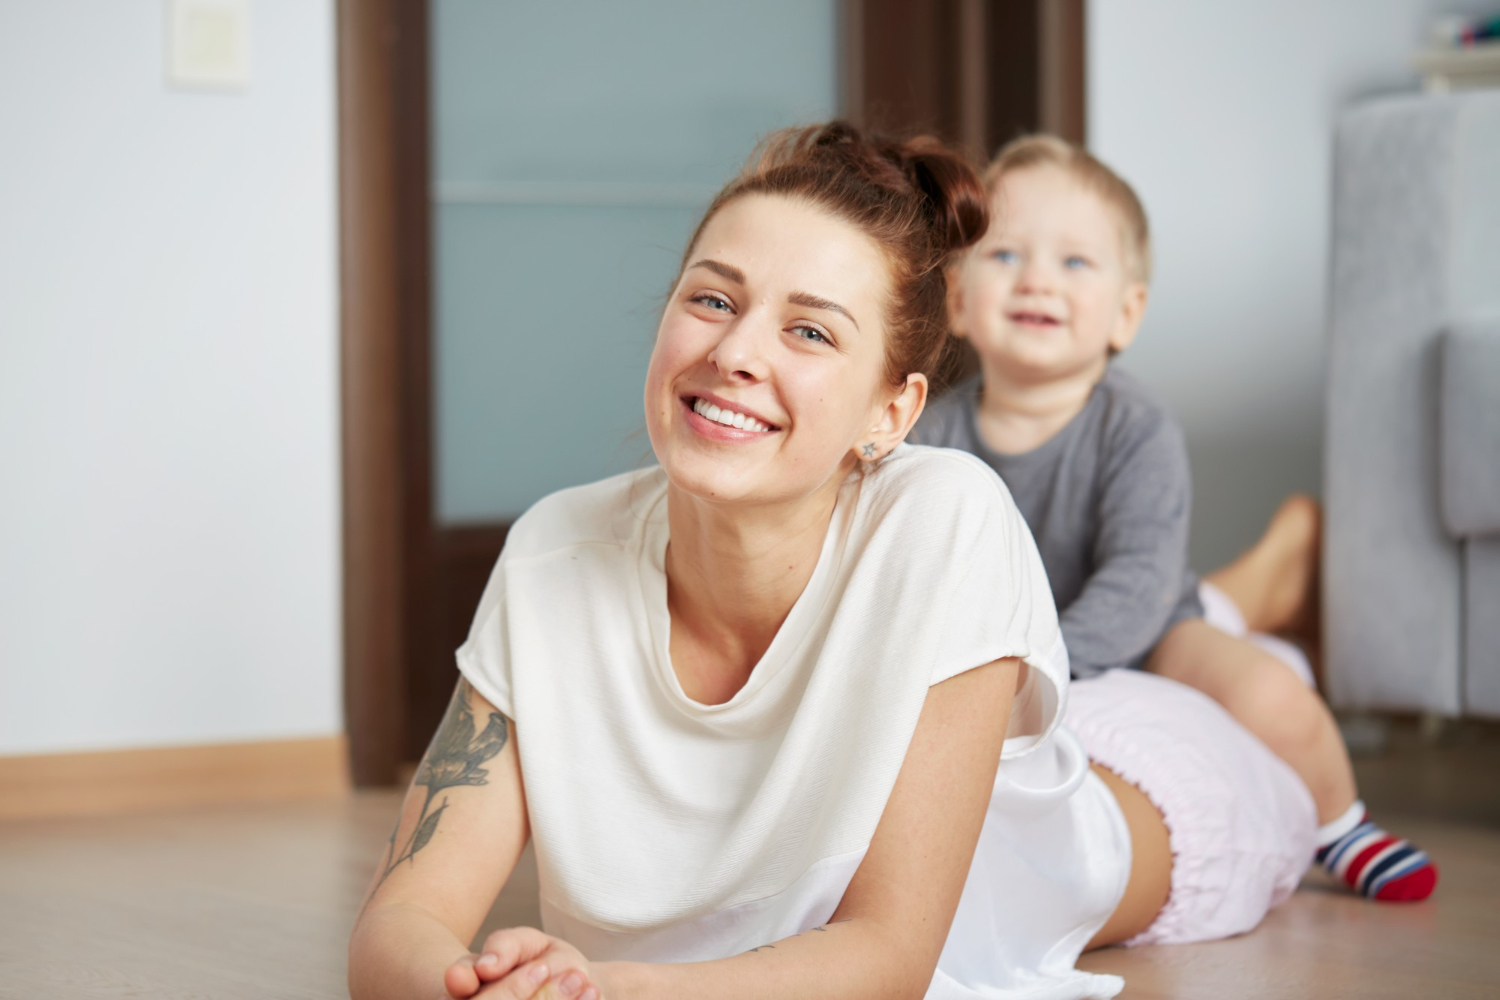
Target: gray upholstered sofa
(1411, 583)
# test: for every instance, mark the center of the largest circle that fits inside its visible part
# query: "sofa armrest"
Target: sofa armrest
(1469, 434)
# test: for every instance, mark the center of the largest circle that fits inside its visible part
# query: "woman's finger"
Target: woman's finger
(570, 985)
(529, 982)
(505, 949)
(460, 979)
(491, 965)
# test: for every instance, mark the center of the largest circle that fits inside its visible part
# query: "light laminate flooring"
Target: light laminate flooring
(257, 901)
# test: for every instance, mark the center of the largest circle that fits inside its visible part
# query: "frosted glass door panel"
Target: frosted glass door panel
(575, 144)
(551, 311)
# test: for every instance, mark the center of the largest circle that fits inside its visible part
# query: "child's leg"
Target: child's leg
(1223, 614)
(1274, 583)
(1267, 699)
(1271, 701)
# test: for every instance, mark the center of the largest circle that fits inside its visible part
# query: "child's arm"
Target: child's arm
(1139, 551)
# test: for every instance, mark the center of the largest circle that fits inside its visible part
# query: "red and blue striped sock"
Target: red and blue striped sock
(1372, 862)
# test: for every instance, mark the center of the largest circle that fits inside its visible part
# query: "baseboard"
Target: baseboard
(118, 781)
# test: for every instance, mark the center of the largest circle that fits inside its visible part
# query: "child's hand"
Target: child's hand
(521, 963)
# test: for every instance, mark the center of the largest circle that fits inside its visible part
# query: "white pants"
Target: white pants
(1224, 615)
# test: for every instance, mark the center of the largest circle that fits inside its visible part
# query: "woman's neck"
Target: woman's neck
(1017, 415)
(733, 574)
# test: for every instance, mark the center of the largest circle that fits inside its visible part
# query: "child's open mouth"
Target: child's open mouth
(1033, 319)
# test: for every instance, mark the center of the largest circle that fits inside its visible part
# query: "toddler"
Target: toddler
(1099, 469)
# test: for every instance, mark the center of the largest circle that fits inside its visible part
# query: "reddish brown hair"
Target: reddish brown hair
(917, 200)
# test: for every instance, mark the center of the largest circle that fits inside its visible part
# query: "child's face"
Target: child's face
(1047, 292)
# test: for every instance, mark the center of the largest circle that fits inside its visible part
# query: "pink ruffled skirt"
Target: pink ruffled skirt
(1242, 824)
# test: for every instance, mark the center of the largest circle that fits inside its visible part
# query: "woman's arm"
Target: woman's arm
(885, 938)
(462, 827)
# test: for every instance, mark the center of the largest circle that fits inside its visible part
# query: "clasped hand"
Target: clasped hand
(521, 963)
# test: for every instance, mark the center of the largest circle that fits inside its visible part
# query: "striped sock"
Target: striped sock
(1372, 862)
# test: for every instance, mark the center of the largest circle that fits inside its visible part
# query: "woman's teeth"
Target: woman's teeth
(728, 418)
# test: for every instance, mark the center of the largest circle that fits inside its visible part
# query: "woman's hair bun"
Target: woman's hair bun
(960, 205)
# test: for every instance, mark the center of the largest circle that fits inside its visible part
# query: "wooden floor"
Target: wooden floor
(256, 901)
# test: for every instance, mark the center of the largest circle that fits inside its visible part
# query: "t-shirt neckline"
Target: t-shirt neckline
(790, 638)
(1042, 452)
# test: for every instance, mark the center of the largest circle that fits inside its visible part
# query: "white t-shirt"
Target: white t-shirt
(669, 830)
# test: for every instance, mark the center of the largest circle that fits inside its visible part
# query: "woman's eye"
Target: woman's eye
(811, 335)
(1076, 263)
(1005, 256)
(712, 301)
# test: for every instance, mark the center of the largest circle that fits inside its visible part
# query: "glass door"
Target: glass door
(575, 143)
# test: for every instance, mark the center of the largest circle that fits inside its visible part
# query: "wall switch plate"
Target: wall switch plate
(208, 44)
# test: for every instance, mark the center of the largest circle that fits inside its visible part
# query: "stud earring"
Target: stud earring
(869, 450)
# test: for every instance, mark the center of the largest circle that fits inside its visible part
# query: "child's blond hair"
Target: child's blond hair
(1089, 171)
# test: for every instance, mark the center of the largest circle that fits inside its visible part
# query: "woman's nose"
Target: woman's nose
(741, 353)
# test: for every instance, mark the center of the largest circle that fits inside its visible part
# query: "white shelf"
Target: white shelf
(1469, 68)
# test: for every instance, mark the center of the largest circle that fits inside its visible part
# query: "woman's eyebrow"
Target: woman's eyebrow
(721, 269)
(814, 302)
(808, 299)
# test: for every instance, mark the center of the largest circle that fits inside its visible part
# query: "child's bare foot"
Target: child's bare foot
(1275, 581)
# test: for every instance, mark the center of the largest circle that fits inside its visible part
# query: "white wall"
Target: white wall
(1221, 115)
(169, 560)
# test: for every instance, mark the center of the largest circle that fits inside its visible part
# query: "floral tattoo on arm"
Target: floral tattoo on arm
(820, 929)
(454, 759)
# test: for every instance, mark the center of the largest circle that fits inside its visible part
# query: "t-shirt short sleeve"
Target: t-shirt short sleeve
(484, 658)
(502, 649)
(1000, 605)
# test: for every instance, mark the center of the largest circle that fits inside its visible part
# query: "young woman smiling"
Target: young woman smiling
(750, 703)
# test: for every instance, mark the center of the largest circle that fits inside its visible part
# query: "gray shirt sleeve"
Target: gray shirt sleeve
(1140, 550)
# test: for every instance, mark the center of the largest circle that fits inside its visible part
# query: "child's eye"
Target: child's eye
(1005, 256)
(810, 334)
(715, 302)
(1076, 263)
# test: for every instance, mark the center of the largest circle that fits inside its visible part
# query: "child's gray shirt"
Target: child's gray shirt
(1108, 500)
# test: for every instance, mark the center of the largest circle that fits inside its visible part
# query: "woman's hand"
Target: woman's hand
(521, 963)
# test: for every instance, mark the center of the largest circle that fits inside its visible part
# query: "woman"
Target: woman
(750, 704)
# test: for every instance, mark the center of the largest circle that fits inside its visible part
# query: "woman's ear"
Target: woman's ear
(894, 420)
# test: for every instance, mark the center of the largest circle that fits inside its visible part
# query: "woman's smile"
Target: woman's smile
(720, 416)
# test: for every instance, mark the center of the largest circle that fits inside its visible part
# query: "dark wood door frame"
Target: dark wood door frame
(410, 585)
(976, 72)
(385, 252)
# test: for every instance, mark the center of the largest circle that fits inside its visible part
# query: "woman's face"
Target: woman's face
(768, 371)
